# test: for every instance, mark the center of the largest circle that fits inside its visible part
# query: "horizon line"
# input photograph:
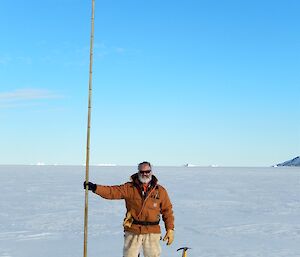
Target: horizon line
(160, 165)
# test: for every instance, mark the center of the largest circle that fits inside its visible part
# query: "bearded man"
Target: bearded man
(146, 201)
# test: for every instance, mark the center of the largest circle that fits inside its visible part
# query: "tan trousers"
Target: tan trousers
(133, 243)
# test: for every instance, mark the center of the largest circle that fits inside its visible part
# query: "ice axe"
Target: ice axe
(184, 249)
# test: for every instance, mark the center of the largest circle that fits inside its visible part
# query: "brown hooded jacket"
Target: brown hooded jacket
(143, 206)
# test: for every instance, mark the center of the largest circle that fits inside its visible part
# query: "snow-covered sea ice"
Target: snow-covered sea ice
(229, 212)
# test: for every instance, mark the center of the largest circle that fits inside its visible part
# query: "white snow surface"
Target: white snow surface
(219, 212)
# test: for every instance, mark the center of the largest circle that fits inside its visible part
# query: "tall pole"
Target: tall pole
(87, 166)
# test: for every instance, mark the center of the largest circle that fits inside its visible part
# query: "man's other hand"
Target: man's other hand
(169, 236)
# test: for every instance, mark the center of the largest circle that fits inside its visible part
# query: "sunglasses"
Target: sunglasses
(144, 171)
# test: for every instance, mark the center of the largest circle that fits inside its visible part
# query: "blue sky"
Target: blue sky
(174, 82)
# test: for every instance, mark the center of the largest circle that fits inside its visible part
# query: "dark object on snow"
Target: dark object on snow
(184, 254)
(293, 162)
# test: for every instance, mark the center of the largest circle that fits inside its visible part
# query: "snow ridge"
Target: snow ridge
(292, 162)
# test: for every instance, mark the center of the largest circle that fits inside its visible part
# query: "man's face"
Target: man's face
(145, 173)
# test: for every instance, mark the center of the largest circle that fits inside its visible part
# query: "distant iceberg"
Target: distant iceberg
(106, 164)
(190, 165)
(293, 162)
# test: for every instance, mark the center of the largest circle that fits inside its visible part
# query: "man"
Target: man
(145, 201)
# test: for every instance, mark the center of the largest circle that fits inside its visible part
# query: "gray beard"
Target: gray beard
(144, 180)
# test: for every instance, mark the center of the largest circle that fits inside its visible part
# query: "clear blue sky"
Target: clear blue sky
(174, 82)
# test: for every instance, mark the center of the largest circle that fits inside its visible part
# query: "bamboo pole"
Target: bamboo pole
(88, 132)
